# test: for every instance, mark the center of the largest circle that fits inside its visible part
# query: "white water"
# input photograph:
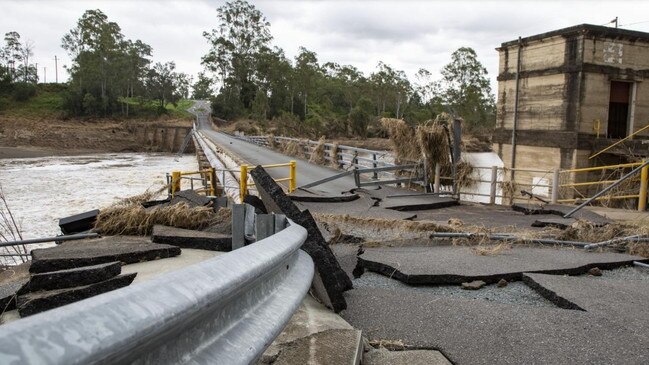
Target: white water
(39, 191)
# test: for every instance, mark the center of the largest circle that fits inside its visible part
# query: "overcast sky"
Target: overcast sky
(408, 35)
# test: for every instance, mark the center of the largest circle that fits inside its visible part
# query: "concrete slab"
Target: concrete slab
(187, 238)
(383, 356)
(41, 301)
(390, 198)
(422, 202)
(469, 331)
(313, 195)
(362, 207)
(8, 292)
(561, 210)
(558, 222)
(311, 317)
(151, 269)
(455, 265)
(191, 198)
(625, 300)
(84, 275)
(12, 279)
(331, 347)
(74, 254)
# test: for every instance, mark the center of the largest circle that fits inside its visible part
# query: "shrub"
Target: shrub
(23, 91)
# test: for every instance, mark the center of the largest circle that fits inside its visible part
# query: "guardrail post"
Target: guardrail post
(264, 226)
(243, 182)
(292, 184)
(438, 171)
(494, 182)
(175, 182)
(375, 176)
(555, 186)
(238, 226)
(642, 200)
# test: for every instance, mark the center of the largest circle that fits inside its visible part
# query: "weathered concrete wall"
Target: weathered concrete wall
(540, 103)
(537, 55)
(163, 138)
(620, 53)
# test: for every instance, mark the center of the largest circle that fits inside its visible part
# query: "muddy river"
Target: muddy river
(39, 191)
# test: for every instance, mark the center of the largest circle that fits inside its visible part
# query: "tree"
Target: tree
(466, 88)
(12, 53)
(360, 117)
(242, 34)
(105, 65)
(202, 88)
(306, 71)
(165, 85)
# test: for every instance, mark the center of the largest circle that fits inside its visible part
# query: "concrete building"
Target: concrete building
(568, 93)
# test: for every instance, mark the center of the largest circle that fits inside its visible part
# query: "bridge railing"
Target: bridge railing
(225, 310)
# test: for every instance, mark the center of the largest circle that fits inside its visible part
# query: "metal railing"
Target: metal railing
(207, 179)
(244, 184)
(226, 310)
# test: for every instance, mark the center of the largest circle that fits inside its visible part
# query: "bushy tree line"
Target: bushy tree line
(254, 79)
(109, 70)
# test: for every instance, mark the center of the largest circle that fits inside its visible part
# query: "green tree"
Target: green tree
(360, 117)
(105, 65)
(202, 88)
(165, 85)
(306, 72)
(242, 34)
(467, 90)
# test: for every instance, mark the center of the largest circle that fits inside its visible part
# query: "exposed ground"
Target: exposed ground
(34, 137)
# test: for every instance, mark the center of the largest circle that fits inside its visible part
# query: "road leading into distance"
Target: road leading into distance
(257, 155)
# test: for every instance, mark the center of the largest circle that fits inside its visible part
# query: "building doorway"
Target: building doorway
(618, 109)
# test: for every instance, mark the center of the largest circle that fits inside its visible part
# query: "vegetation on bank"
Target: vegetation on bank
(245, 77)
(255, 80)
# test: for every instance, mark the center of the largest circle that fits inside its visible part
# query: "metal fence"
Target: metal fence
(226, 310)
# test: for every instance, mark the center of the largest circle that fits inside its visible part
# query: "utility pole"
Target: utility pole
(44, 75)
(56, 70)
(615, 21)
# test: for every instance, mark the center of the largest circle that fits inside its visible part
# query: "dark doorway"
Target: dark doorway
(618, 109)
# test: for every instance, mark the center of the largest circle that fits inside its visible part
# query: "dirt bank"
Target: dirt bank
(27, 137)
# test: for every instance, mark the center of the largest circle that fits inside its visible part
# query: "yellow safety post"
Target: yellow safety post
(175, 182)
(212, 182)
(642, 200)
(243, 182)
(291, 184)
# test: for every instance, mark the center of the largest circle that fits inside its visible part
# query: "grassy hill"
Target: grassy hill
(48, 102)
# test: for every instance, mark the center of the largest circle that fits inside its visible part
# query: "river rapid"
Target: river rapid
(41, 190)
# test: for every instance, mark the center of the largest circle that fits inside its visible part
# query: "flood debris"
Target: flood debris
(334, 281)
(78, 223)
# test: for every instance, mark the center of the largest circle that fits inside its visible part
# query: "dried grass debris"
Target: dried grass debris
(293, 148)
(136, 220)
(318, 154)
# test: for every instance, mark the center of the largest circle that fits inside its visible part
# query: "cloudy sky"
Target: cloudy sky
(408, 35)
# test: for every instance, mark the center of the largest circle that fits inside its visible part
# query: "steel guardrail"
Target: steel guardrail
(226, 310)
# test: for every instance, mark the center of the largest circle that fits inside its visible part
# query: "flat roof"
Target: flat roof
(588, 29)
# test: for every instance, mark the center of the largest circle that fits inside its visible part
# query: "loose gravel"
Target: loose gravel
(515, 293)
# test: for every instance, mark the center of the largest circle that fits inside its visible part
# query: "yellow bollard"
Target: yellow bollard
(642, 200)
(212, 182)
(175, 182)
(291, 184)
(243, 182)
